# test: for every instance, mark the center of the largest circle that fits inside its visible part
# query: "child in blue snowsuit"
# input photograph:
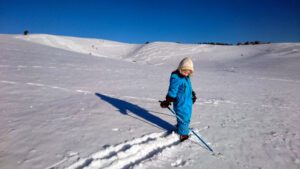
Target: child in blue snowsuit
(180, 92)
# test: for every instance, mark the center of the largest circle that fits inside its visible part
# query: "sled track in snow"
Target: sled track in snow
(128, 153)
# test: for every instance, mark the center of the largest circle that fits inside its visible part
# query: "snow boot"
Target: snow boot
(183, 137)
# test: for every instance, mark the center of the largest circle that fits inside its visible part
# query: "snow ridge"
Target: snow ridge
(129, 153)
(96, 47)
(156, 52)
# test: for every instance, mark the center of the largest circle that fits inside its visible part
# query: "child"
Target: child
(182, 95)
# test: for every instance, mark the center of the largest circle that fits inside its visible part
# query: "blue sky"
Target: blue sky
(186, 21)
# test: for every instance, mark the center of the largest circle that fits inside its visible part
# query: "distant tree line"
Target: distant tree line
(227, 44)
(214, 43)
(238, 44)
(252, 43)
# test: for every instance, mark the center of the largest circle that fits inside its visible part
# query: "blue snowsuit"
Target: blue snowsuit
(180, 90)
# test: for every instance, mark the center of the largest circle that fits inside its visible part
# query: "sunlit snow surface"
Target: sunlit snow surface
(87, 103)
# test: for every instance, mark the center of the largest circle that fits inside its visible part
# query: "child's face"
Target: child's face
(185, 72)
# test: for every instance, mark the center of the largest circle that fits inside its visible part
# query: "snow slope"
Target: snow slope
(85, 103)
(97, 47)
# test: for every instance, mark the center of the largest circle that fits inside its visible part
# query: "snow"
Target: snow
(97, 47)
(71, 102)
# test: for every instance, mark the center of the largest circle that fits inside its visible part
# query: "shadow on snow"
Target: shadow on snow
(125, 107)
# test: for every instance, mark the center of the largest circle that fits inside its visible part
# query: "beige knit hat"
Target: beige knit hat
(186, 64)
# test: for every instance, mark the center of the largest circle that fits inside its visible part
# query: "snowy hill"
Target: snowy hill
(97, 47)
(71, 102)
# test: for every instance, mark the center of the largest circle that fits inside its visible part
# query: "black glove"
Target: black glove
(165, 104)
(194, 98)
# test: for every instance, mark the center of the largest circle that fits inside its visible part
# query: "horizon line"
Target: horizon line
(147, 42)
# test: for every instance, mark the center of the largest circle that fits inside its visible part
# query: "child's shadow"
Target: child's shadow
(124, 107)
